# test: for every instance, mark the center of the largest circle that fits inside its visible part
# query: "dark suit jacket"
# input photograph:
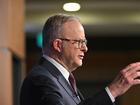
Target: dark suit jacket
(45, 85)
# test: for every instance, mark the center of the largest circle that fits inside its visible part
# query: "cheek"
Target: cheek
(69, 54)
(72, 55)
(75, 56)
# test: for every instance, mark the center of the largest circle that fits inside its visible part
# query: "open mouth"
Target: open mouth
(81, 57)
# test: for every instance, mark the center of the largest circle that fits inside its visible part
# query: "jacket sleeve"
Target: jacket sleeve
(101, 98)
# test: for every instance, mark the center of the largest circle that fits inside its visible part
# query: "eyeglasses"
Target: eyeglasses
(80, 43)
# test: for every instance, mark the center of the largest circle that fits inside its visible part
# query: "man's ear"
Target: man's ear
(57, 45)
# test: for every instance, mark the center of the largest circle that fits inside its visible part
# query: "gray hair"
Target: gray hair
(53, 28)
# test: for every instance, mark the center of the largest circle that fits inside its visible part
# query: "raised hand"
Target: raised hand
(127, 77)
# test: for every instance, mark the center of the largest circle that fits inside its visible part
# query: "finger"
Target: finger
(131, 73)
(134, 71)
(135, 75)
(132, 67)
(136, 82)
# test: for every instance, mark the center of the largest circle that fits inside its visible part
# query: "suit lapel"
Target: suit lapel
(68, 88)
(80, 95)
(56, 73)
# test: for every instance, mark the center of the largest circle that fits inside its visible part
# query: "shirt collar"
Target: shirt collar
(64, 71)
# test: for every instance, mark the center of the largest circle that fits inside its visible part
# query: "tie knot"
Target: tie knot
(71, 77)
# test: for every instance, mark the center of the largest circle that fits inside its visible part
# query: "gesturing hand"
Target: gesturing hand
(127, 77)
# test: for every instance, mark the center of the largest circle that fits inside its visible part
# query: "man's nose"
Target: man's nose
(84, 48)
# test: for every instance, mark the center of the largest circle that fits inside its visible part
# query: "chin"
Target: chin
(80, 64)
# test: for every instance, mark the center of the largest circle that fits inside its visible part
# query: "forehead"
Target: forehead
(73, 29)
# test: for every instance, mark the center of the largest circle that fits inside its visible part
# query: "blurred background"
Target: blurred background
(112, 28)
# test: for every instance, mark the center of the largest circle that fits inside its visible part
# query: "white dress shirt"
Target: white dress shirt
(66, 74)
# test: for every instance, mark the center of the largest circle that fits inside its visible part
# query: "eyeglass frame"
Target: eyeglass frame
(79, 42)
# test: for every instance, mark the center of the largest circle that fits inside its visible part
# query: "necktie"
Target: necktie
(73, 83)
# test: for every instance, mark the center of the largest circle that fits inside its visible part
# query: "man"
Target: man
(64, 45)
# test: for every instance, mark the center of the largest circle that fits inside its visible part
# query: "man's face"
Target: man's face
(73, 51)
